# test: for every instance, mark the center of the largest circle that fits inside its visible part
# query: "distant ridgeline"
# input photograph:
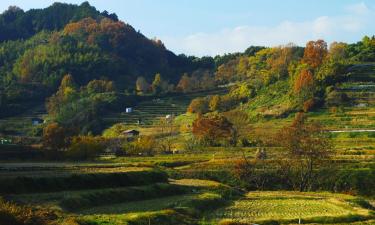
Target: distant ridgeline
(17, 24)
(38, 47)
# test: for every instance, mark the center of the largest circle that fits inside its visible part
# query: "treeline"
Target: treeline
(18, 24)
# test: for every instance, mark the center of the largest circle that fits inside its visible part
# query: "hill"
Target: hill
(38, 48)
(18, 24)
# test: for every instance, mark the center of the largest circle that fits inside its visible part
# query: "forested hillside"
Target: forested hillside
(38, 48)
(102, 125)
(274, 82)
(18, 24)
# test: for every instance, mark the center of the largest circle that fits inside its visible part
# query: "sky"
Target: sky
(211, 27)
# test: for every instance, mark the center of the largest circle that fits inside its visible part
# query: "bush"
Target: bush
(199, 105)
(115, 131)
(335, 98)
(214, 130)
(308, 105)
(144, 146)
(12, 214)
(85, 147)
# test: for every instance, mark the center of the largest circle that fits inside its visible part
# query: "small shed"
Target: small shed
(5, 141)
(129, 110)
(37, 121)
(130, 133)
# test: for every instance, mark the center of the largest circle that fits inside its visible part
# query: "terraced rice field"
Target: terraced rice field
(148, 112)
(64, 169)
(141, 206)
(260, 206)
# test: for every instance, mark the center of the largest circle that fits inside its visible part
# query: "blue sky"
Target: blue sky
(210, 27)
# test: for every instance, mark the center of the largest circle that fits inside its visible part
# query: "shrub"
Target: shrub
(85, 147)
(335, 98)
(145, 145)
(54, 137)
(307, 105)
(115, 131)
(13, 214)
(214, 103)
(214, 130)
(198, 105)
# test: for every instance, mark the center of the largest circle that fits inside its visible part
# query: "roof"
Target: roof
(130, 131)
(37, 119)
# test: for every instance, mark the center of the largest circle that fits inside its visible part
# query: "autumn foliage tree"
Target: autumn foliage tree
(307, 147)
(184, 85)
(142, 85)
(304, 86)
(100, 86)
(66, 92)
(199, 105)
(80, 108)
(315, 52)
(157, 84)
(54, 137)
(84, 147)
(214, 130)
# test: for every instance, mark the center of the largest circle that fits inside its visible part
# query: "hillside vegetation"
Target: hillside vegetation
(102, 125)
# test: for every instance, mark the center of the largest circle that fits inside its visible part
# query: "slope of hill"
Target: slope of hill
(18, 24)
(82, 42)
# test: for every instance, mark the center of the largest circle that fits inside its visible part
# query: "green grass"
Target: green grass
(263, 206)
(270, 101)
(162, 217)
(142, 206)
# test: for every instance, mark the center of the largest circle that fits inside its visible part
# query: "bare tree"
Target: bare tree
(307, 148)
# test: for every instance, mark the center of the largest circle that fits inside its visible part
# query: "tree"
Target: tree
(198, 105)
(141, 85)
(54, 137)
(253, 172)
(307, 147)
(240, 121)
(315, 52)
(100, 86)
(207, 81)
(226, 72)
(81, 108)
(66, 92)
(157, 84)
(304, 86)
(338, 51)
(279, 60)
(145, 145)
(184, 84)
(167, 129)
(214, 103)
(214, 130)
(84, 147)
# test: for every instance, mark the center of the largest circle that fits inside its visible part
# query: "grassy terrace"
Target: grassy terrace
(151, 111)
(290, 207)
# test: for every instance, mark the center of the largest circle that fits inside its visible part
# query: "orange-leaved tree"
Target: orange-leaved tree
(304, 86)
(315, 52)
(214, 130)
